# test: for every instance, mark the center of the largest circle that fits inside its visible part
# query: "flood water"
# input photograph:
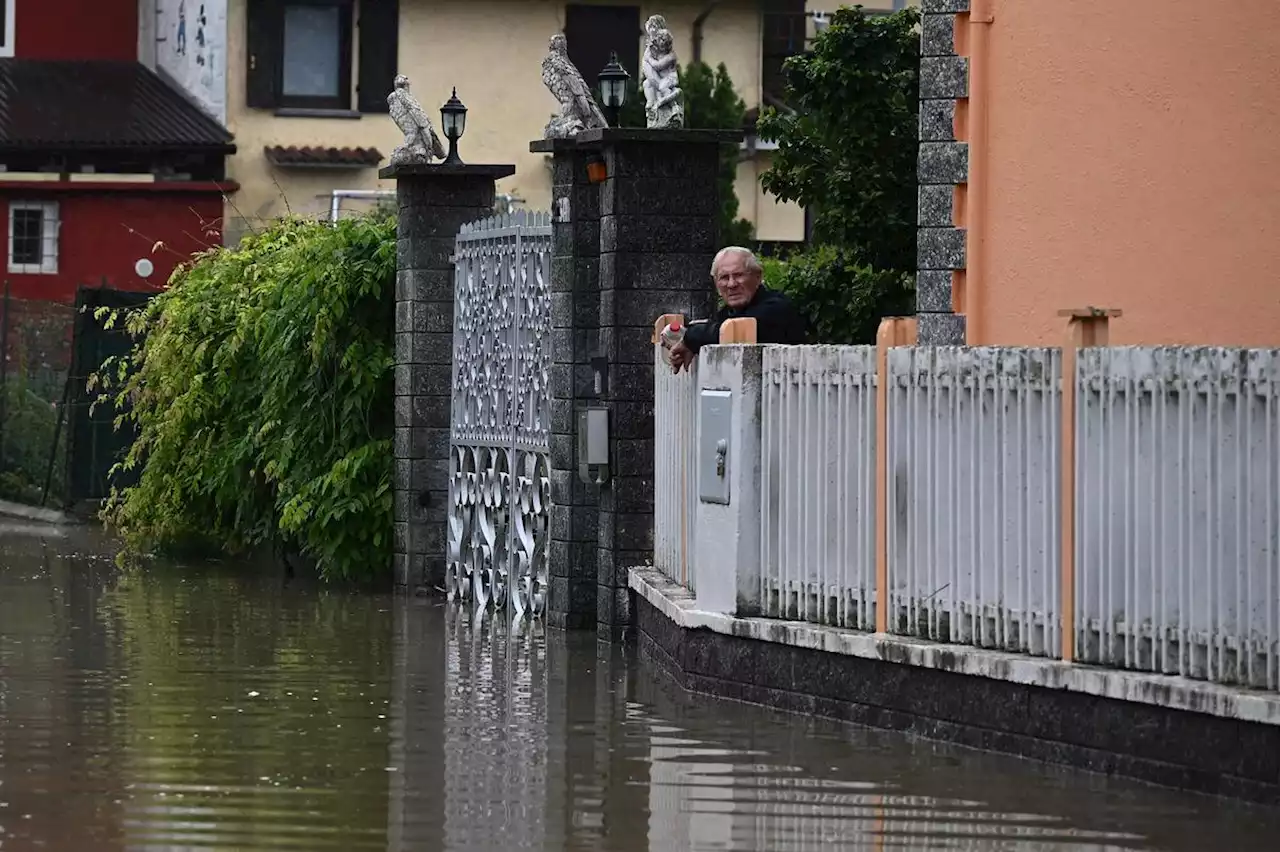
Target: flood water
(214, 707)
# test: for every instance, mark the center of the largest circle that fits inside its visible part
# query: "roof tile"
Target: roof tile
(319, 156)
(98, 104)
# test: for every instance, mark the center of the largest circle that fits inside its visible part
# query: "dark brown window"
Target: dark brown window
(783, 35)
(300, 53)
(593, 32)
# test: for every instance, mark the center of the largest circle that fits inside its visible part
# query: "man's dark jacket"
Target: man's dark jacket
(776, 321)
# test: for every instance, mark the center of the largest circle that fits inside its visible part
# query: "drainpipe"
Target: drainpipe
(974, 297)
(697, 27)
(336, 196)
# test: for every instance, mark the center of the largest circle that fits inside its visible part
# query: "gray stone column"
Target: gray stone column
(659, 210)
(943, 165)
(575, 322)
(434, 202)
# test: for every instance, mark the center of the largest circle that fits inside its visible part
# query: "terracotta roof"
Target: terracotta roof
(100, 105)
(323, 157)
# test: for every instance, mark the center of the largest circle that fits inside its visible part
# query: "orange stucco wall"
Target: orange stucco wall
(1132, 161)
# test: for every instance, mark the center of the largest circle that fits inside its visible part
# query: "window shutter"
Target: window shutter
(379, 36)
(263, 42)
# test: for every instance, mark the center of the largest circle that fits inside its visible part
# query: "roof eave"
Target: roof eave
(224, 148)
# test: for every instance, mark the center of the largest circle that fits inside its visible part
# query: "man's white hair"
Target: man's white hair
(748, 258)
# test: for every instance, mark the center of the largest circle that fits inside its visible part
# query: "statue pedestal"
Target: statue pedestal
(628, 249)
(434, 202)
(659, 231)
(575, 305)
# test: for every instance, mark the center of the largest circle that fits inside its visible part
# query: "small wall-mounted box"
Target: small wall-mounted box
(593, 444)
(715, 419)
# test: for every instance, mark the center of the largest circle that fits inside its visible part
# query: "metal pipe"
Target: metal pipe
(336, 196)
(697, 28)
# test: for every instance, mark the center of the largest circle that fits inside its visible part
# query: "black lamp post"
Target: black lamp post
(613, 88)
(453, 118)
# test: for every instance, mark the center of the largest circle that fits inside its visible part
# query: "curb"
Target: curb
(36, 513)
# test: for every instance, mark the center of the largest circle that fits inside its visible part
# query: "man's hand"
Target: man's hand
(681, 357)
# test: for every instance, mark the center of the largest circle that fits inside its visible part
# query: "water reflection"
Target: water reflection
(221, 708)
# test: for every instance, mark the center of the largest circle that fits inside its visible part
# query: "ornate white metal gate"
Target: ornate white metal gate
(500, 471)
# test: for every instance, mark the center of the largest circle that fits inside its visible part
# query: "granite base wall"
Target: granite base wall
(1172, 748)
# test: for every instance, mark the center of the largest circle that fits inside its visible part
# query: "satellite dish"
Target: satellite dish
(144, 267)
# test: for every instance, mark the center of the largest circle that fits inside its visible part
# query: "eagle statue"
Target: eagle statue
(420, 140)
(578, 108)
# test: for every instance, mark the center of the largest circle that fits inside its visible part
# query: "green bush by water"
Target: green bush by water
(262, 389)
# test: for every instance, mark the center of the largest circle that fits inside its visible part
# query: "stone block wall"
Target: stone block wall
(943, 172)
(658, 235)
(434, 203)
(574, 341)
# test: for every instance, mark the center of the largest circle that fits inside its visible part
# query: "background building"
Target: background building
(101, 161)
(1122, 156)
(303, 85)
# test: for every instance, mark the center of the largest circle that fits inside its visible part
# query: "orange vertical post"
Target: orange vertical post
(893, 331)
(740, 330)
(1086, 327)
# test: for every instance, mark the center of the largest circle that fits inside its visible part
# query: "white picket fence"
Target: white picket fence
(818, 435)
(973, 495)
(1176, 501)
(1178, 512)
(675, 490)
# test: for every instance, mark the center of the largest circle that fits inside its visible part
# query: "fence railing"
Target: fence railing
(818, 485)
(675, 489)
(1178, 512)
(932, 482)
(973, 447)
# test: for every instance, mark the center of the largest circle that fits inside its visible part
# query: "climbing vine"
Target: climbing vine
(261, 387)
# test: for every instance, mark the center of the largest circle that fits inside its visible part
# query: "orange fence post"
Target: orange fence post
(740, 330)
(893, 331)
(1086, 327)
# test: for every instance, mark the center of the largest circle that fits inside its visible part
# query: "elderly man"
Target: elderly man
(739, 279)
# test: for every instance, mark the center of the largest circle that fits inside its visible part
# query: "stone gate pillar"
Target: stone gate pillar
(659, 208)
(434, 200)
(574, 340)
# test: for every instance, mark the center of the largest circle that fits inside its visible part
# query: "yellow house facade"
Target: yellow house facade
(302, 85)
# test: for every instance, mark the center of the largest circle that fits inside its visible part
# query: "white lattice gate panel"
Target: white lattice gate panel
(500, 472)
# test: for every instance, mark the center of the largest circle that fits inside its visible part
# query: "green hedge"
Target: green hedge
(262, 388)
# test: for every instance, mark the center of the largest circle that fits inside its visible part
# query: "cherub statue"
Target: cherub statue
(420, 140)
(664, 100)
(578, 109)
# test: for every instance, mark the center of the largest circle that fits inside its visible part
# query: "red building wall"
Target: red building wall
(103, 233)
(76, 29)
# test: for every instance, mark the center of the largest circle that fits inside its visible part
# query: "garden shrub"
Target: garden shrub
(847, 152)
(262, 389)
(30, 424)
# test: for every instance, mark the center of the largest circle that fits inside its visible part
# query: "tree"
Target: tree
(710, 103)
(848, 152)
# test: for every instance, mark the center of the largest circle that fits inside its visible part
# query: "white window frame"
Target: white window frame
(6, 45)
(50, 224)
